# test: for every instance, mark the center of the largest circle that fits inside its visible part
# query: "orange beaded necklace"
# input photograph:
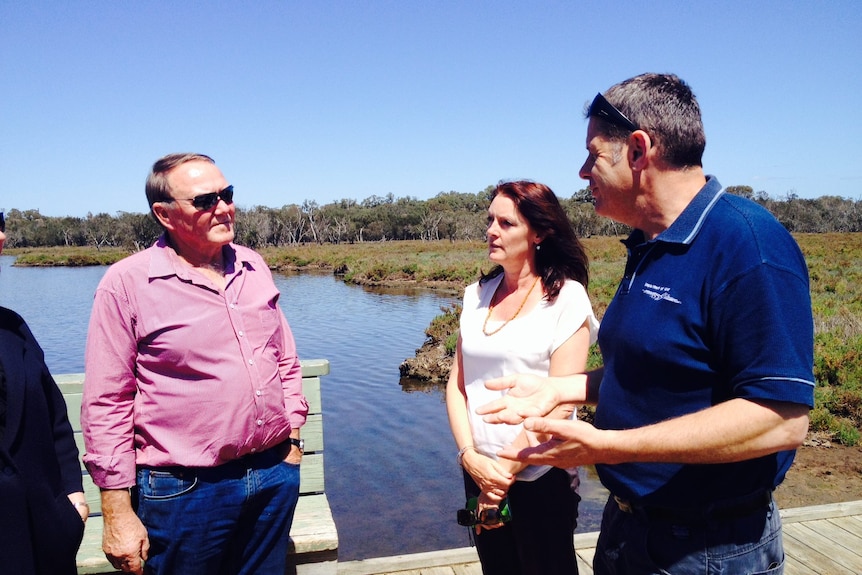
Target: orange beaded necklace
(505, 323)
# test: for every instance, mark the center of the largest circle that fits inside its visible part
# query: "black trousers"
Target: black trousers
(539, 539)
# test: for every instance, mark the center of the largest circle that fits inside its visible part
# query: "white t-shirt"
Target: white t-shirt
(524, 345)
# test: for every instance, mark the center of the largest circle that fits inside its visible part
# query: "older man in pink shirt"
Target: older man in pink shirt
(192, 396)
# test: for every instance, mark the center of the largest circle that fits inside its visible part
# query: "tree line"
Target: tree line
(447, 216)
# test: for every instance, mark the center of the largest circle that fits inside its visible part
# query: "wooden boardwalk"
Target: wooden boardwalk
(818, 540)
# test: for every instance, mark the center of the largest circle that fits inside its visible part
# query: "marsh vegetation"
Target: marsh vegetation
(834, 262)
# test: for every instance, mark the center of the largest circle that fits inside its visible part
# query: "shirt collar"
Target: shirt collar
(165, 261)
(686, 226)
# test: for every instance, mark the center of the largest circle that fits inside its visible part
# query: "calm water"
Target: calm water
(391, 476)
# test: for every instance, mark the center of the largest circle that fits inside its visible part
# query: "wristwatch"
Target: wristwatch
(300, 443)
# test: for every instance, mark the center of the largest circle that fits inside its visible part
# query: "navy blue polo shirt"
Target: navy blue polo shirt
(716, 307)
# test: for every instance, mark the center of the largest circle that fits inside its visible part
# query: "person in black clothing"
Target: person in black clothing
(42, 504)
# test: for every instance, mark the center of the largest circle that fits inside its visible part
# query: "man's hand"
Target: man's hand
(124, 538)
(294, 456)
(572, 443)
(291, 453)
(528, 396)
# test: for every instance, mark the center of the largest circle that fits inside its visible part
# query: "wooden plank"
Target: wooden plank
(79, 443)
(314, 367)
(585, 549)
(586, 540)
(398, 563)
(311, 474)
(850, 524)
(68, 381)
(585, 567)
(311, 391)
(826, 511)
(312, 433)
(313, 528)
(813, 536)
(73, 406)
(433, 571)
(832, 529)
(467, 569)
(797, 546)
(794, 567)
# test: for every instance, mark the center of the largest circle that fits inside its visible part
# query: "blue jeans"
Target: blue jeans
(635, 544)
(228, 520)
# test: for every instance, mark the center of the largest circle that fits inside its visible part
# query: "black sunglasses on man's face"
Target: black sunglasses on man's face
(603, 109)
(2, 223)
(209, 201)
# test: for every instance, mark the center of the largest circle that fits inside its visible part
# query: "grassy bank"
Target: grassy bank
(70, 256)
(834, 261)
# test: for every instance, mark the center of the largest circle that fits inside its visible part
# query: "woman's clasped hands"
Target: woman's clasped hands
(493, 481)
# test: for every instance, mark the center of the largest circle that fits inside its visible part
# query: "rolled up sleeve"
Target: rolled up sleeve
(108, 403)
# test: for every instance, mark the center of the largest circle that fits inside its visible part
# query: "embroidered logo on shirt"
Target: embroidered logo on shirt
(659, 293)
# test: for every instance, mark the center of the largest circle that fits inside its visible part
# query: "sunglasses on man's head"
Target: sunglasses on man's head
(2, 223)
(601, 108)
(209, 201)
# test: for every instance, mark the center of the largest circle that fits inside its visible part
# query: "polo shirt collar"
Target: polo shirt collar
(686, 226)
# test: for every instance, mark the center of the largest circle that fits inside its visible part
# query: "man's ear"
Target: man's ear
(639, 144)
(162, 214)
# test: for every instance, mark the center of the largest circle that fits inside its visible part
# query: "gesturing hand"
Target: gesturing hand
(572, 443)
(528, 396)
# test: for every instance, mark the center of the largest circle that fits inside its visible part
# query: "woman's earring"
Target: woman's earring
(538, 247)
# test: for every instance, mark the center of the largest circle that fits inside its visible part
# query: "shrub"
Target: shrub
(845, 433)
(444, 327)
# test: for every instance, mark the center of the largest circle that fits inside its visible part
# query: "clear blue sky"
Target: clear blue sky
(323, 100)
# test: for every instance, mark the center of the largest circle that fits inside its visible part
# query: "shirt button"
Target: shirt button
(241, 333)
(251, 362)
(260, 422)
(258, 393)
(254, 450)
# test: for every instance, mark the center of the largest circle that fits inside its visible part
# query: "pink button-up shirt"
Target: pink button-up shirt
(181, 373)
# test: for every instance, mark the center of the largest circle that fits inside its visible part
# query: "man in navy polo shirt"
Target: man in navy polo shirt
(707, 346)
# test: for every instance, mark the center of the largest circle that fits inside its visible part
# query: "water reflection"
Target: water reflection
(410, 385)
